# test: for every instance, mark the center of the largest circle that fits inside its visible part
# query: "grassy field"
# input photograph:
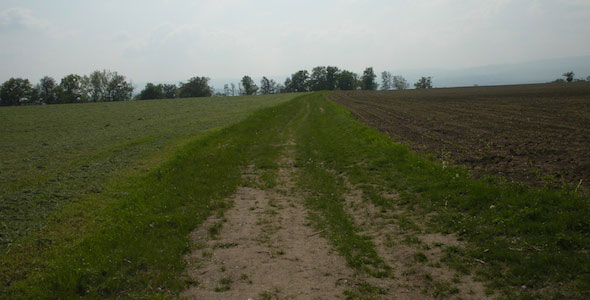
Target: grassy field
(53, 154)
(129, 239)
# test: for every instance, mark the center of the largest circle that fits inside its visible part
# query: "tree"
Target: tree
(169, 91)
(399, 82)
(47, 90)
(267, 86)
(240, 89)
(318, 80)
(233, 89)
(368, 79)
(298, 82)
(288, 86)
(151, 91)
(195, 87)
(35, 97)
(15, 91)
(332, 78)
(73, 89)
(97, 85)
(588, 78)
(569, 76)
(279, 88)
(347, 80)
(118, 89)
(250, 88)
(108, 86)
(226, 91)
(386, 80)
(424, 83)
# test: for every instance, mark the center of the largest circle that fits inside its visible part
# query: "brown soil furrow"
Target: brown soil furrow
(536, 134)
(265, 249)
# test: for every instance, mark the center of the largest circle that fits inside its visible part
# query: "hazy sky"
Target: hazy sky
(171, 40)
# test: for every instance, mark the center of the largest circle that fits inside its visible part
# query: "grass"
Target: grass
(326, 191)
(224, 284)
(325, 198)
(128, 241)
(53, 154)
(536, 237)
(420, 257)
(270, 294)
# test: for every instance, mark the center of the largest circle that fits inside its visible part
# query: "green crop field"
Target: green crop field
(120, 194)
(56, 153)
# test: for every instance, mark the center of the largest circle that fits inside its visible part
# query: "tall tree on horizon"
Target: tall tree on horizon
(47, 88)
(569, 76)
(347, 80)
(424, 83)
(332, 77)
(233, 89)
(298, 82)
(267, 86)
(106, 85)
(169, 91)
(368, 79)
(250, 88)
(226, 91)
(14, 91)
(73, 89)
(386, 80)
(399, 82)
(195, 87)
(318, 80)
(151, 91)
(97, 85)
(118, 89)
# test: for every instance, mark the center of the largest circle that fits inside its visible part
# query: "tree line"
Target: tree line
(194, 87)
(105, 85)
(569, 77)
(99, 86)
(322, 78)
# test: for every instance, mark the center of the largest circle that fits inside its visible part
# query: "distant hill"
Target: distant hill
(537, 71)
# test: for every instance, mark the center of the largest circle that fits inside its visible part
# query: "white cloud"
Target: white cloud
(577, 2)
(15, 19)
(21, 18)
(229, 38)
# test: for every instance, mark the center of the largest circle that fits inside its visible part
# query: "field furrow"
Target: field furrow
(536, 134)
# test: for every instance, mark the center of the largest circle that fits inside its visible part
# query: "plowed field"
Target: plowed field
(537, 134)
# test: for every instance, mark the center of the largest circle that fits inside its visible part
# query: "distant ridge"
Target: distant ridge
(537, 71)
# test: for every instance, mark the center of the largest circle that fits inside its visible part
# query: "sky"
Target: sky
(173, 40)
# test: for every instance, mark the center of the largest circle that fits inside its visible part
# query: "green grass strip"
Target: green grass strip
(326, 191)
(133, 245)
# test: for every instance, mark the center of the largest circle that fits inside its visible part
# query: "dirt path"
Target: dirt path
(415, 255)
(264, 248)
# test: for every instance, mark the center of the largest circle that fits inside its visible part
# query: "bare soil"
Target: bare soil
(537, 134)
(414, 254)
(265, 249)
